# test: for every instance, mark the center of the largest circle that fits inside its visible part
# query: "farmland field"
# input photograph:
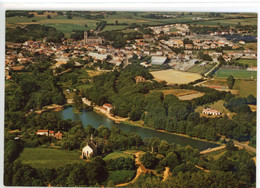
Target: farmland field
(48, 157)
(183, 94)
(240, 74)
(246, 87)
(175, 77)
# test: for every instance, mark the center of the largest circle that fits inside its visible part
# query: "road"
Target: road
(166, 174)
(207, 73)
(213, 149)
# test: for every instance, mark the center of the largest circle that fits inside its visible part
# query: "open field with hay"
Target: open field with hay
(175, 77)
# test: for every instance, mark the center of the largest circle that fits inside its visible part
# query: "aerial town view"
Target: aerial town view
(130, 99)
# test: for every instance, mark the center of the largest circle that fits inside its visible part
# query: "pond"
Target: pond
(95, 119)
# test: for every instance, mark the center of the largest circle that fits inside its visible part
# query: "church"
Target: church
(90, 150)
(92, 39)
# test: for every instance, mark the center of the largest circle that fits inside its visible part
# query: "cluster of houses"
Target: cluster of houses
(46, 132)
(94, 48)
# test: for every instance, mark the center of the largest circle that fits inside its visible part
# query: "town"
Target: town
(130, 98)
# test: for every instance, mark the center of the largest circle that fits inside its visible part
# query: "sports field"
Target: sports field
(48, 157)
(175, 77)
(236, 73)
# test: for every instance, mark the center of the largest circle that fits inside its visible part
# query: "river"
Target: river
(95, 119)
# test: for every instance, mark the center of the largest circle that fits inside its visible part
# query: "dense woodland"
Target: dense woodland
(33, 89)
(33, 32)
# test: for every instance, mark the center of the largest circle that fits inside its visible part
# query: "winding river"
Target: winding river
(95, 119)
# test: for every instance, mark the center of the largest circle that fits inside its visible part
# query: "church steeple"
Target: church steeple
(91, 138)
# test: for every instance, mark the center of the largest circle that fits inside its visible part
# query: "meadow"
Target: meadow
(246, 87)
(48, 157)
(116, 155)
(62, 23)
(236, 73)
(250, 62)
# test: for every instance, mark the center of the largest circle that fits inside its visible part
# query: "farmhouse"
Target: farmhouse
(43, 132)
(107, 107)
(89, 150)
(139, 79)
(209, 111)
(58, 135)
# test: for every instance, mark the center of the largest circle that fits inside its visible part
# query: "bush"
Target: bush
(121, 176)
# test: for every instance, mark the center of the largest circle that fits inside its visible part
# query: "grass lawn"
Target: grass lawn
(48, 157)
(116, 155)
(200, 69)
(248, 61)
(237, 74)
(246, 87)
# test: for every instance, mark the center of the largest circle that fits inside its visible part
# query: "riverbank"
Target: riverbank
(127, 121)
(140, 123)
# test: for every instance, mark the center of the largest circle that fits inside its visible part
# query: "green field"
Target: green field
(250, 62)
(246, 87)
(48, 157)
(200, 69)
(247, 21)
(238, 74)
(62, 23)
(116, 155)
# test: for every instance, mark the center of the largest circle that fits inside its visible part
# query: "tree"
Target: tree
(230, 82)
(48, 17)
(149, 160)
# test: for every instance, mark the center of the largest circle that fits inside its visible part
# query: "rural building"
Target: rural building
(43, 132)
(139, 79)
(58, 135)
(92, 39)
(209, 111)
(107, 107)
(89, 150)
(158, 60)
